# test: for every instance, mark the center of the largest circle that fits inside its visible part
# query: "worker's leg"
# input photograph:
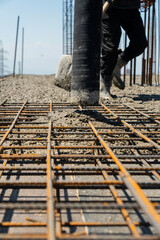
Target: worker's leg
(111, 33)
(117, 73)
(131, 22)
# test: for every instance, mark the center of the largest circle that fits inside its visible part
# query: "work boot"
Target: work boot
(105, 87)
(117, 74)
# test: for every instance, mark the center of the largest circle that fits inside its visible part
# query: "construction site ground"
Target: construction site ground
(82, 147)
(42, 89)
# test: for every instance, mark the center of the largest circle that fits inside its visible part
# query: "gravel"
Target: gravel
(36, 88)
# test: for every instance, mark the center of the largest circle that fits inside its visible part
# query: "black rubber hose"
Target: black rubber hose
(86, 55)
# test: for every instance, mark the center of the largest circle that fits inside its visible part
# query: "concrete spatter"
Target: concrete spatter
(84, 97)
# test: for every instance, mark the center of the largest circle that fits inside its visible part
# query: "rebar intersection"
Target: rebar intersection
(94, 174)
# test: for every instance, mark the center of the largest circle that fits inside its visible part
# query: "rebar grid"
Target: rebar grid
(93, 174)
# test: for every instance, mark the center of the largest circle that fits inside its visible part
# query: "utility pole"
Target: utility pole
(19, 63)
(22, 60)
(2, 62)
(15, 53)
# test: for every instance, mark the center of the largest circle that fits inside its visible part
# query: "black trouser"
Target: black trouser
(131, 22)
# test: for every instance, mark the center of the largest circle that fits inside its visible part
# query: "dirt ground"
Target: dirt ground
(36, 88)
(41, 89)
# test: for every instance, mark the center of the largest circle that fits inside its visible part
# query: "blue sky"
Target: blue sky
(42, 22)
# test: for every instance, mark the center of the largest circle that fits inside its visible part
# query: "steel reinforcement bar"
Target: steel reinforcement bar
(73, 172)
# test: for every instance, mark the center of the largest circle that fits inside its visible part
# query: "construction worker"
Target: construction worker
(125, 14)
